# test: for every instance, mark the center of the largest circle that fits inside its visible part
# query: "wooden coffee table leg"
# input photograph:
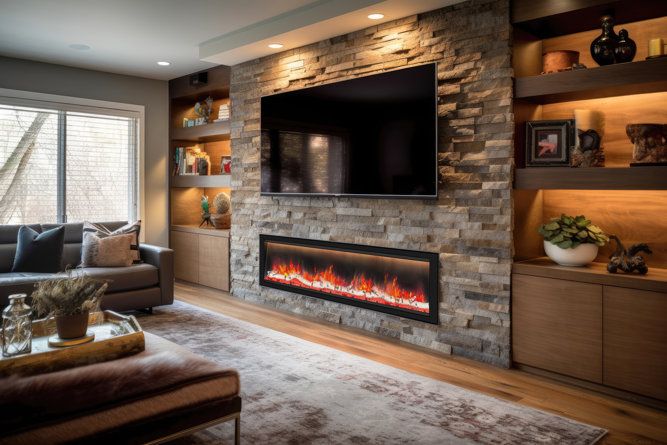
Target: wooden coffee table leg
(237, 430)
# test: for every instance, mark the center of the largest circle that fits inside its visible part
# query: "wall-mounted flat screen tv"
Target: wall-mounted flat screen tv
(373, 136)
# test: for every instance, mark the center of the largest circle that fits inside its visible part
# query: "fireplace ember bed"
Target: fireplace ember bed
(395, 281)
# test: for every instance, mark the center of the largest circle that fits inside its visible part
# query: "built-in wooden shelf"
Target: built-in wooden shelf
(217, 131)
(545, 19)
(564, 178)
(596, 273)
(209, 181)
(645, 76)
(191, 228)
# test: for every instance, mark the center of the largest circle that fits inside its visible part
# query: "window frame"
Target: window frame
(101, 107)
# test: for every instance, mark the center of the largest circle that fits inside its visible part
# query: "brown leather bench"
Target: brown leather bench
(155, 396)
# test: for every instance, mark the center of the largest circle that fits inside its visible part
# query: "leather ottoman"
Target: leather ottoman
(157, 395)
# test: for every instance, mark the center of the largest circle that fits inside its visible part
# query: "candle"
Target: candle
(655, 47)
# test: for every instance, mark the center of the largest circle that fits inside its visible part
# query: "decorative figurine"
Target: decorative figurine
(626, 49)
(603, 47)
(205, 212)
(650, 143)
(627, 260)
(16, 327)
(204, 110)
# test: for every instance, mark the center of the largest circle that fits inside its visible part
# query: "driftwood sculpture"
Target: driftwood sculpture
(627, 260)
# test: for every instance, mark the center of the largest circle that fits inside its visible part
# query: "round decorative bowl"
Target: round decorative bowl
(554, 61)
(221, 220)
(581, 255)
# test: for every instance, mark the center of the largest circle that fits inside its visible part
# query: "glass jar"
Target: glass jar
(16, 327)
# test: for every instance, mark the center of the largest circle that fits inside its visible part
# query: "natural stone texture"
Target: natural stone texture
(469, 224)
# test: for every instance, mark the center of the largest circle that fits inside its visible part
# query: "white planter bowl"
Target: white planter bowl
(581, 255)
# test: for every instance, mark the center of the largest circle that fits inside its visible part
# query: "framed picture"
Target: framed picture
(548, 143)
(226, 165)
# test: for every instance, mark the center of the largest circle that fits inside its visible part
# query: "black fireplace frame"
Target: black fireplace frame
(431, 258)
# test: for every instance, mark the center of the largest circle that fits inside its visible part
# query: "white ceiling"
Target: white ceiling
(130, 36)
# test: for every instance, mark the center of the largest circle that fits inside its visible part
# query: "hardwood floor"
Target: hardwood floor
(628, 423)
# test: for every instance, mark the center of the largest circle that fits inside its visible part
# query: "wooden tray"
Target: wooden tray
(116, 336)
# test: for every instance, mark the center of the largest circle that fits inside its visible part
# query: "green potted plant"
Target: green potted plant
(69, 300)
(572, 240)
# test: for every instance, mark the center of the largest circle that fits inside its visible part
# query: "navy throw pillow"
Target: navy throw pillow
(39, 252)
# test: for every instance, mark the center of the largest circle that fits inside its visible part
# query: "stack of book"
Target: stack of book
(223, 113)
(191, 161)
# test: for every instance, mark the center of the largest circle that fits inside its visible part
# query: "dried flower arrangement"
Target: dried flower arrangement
(68, 296)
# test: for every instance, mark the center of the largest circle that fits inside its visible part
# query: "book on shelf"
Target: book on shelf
(190, 161)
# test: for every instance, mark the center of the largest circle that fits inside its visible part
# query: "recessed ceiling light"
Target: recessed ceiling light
(79, 47)
(376, 16)
(164, 63)
(275, 45)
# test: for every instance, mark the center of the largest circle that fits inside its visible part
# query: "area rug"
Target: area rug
(298, 392)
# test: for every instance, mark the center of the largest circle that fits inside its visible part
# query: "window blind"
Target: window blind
(58, 165)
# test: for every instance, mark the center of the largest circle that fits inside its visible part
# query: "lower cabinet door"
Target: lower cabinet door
(214, 261)
(186, 248)
(557, 326)
(635, 341)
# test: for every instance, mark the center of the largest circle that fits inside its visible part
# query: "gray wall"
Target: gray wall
(18, 74)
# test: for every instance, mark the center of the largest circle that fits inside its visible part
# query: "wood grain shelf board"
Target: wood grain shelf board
(595, 273)
(191, 228)
(645, 76)
(216, 131)
(545, 19)
(201, 181)
(626, 178)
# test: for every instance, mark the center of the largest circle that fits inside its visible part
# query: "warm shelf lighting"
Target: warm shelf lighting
(164, 63)
(376, 16)
(275, 45)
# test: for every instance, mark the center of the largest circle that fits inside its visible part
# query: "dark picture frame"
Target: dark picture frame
(549, 142)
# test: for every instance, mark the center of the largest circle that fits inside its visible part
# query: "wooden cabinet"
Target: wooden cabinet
(587, 324)
(186, 246)
(557, 325)
(635, 341)
(214, 261)
(201, 256)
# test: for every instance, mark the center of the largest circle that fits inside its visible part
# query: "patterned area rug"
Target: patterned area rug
(298, 392)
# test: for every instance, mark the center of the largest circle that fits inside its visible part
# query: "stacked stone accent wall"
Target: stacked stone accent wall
(469, 225)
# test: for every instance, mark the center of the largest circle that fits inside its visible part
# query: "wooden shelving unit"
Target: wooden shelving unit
(628, 178)
(210, 181)
(596, 273)
(586, 325)
(217, 131)
(645, 76)
(202, 254)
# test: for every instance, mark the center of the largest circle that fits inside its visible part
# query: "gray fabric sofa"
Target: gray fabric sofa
(140, 286)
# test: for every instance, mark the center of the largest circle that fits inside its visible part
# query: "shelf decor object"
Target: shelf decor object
(555, 61)
(572, 240)
(548, 143)
(588, 150)
(604, 46)
(650, 143)
(16, 327)
(626, 49)
(628, 260)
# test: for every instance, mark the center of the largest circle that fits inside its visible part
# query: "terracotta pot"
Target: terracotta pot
(72, 326)
(221, 220)
(554, 61)
(581, 255)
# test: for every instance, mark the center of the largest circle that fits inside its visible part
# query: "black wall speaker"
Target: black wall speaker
(199, 79)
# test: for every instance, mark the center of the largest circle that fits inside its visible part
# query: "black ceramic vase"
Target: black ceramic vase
(626, 48)
(604, 46)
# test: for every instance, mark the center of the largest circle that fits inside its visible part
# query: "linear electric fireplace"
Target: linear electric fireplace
(395, 281)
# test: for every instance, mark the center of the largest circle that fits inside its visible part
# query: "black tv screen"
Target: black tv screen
(369, 136)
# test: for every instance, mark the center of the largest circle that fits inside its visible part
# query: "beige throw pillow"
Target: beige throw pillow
(108, 251)
(102, 231)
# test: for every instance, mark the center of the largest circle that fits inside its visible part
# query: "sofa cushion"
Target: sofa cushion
(107, 250)
(102, 231)
(138, 276)
(39, 252)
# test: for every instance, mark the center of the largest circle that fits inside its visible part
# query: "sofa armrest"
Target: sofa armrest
(163, 259)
